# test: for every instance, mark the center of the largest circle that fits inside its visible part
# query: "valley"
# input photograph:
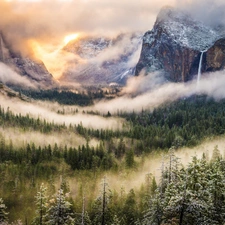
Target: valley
(113, 118)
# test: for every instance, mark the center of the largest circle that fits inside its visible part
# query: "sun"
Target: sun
(70, 37)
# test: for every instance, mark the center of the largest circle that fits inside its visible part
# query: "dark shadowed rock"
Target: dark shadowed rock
(215, 57)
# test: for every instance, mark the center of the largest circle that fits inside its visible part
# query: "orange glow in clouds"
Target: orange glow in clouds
(53, 56)
(70, 37)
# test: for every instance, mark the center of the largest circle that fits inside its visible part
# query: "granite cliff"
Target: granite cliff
(175, 45)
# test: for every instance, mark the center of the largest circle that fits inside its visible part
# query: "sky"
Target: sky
(54, 19)
(41, 26)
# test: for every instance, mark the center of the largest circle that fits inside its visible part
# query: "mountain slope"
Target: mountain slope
(102, 60)
(175, 45)
(32, 69)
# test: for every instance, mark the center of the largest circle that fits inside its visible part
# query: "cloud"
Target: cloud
(210, 12)
(51, 19)
(8, 76)
(149, 92)
(47, 20)
(21, 139)
(43, 111)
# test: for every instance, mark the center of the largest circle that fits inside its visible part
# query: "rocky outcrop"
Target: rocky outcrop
(215, 57)
(174, 46)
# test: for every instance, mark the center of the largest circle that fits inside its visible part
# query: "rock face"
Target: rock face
(215, 57)
(31, 68)
(102, 60)
(175, 45)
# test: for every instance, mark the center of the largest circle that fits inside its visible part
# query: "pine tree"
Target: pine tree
(154, 214)
(216, 188)
(41, 204)
(3, 213)
(116, 220)
(130, 208)
(60, 212)
(216, 154)
(100, 209)
(129, 158)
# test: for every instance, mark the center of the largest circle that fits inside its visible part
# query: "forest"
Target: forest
(64, 184)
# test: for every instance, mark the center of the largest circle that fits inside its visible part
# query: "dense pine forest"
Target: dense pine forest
(64, 184)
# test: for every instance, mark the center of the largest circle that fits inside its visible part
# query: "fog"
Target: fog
(149, 92)
(208, 11)
(8, 76)
(43, 112)
(21, 138)
(125, 180)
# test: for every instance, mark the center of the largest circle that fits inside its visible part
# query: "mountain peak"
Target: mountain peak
(185, 30)
(175, 46)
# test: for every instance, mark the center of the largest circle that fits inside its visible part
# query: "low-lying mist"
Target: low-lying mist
(43, 112)
(21, 138)
(125, 180)
(149, 92)
(8, 76)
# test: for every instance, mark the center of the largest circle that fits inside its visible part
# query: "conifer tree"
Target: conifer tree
(41, 204)
(116, 220)
(130, 209)
(154, 214)
(60, 212)
(3, 213)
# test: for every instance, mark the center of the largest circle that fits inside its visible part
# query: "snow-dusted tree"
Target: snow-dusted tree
(186, 199)
(86, 220)
(60, 212)
(196, 195)
(216, 188)
(17, 222)
(154, 214)
(216, 154)
(115, 220)
(100, 209)
(96, 211)
(130, 209)
(3, 213)
(41, 206)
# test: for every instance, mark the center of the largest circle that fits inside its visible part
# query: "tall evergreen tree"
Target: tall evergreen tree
(41, 206)
(60, 212)
(3, 212)
(130, 209)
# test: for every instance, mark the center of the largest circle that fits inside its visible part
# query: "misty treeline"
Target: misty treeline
(194, 194)
(82, 158)
(67, 97)
(183, 123)
(187, 122)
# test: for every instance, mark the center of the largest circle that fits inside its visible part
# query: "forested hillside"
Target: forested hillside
(66, 184)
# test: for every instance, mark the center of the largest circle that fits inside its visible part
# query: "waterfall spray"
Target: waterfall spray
(200, 67)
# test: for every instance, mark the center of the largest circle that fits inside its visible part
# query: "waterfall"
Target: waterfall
(200, 66)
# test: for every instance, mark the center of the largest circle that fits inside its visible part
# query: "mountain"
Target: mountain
(31, 68)
(103, 60)
(175, 45)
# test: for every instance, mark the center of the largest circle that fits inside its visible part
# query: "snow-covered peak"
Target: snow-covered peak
(88, 47)
(185, 30)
